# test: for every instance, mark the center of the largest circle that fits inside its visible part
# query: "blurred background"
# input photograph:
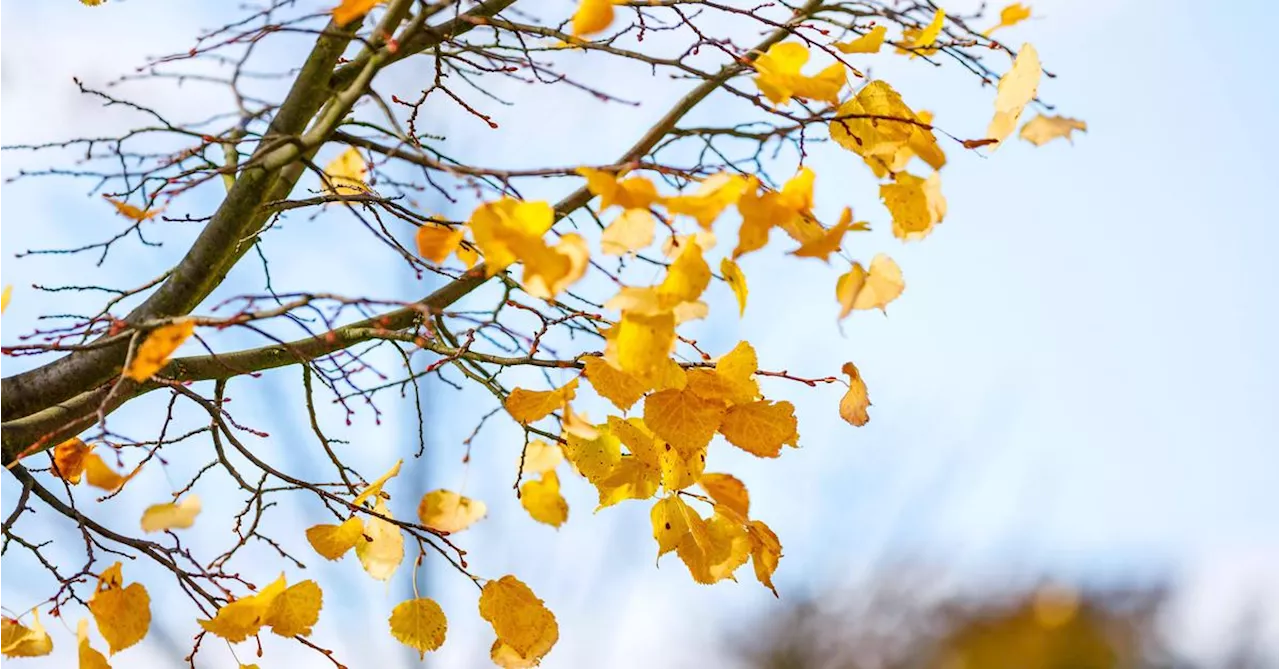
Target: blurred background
(1072, 456)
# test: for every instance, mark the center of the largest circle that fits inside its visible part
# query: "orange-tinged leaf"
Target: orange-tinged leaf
(868, 43)
(548, 270)
(133, 213)
(853, 406)
(69, 459)
(543, 501)
(99, 475)
(522, 623)
(766, 550)
(760, 427)
(737, 282)
(527, 406)
(243, 618)
(89, 658)
(725, 548)
(447, 511)
(171, 515)
(1016, 89)
(727, 491)
(1043, 129)
(153, 354)
(779, 77)
(350, 10)
(346, 173)
(419, 624)
(592, 16)
(682, 418)
(631, 231)
(123, 614)
(437, 242)
(333, 541)
(731, 381)
(382, 554)
(374, 490)
(539, 456)
(18, 640)
(615, 385)
(295, 610)
(830, 240)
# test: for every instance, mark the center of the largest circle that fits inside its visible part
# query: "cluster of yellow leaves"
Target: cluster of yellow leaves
(153, 353)
(73, 459)
(378, 542)
(779, 77)
(510, 231)
(713, 549)
(287, 610)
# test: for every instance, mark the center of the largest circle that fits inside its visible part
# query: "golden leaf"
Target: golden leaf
(69, 459)
(543, 501)
(687, 277)
(868, 43)
(1043, 129)
(548, 270)
(526, 629)
(350, 10)
(631, 193)
(419, 624)
(527, 406)
(89, 658)
(713, 196)
(171, 515)
(539, 456)
(732, 380)
(384, 551)
(153, 354)
(437, 242)
(853, 406)
(1016, 89)
(18, 640)
(883, 284)
(99, 475)
(615, 385)
(631, 231)
(642, 345)
(4, 298)
(374, 490)
(502, 226)
(765, 552)
(592, 16)
(447, 511)
(919, 41)
(830, 240)
(916, 204)
(123, 614)
(296, 610)
(726, 548)
(727, 491)
(333, 541)
(133, 213)
(593, 457)
(1009, 17)
(672, 520)
(682, 418)
(737, 282)
(760, 427)
(879, 126)
(848, 286)
(346, 173)
(243, 618)
(779, 77)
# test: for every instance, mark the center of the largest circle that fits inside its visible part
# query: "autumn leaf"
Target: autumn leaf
(917, 204)
(447, 511)
(437, 242)
(131, 212)
(18, 640)
(642, 345)
(333, 541)
(760, 427)
(153, 354)
(508, 224)
(171, 515)
(89, 658)
(539, 456)
(542, 499)
(345, 174)
(848, 287)
(4, 298)
(779, 77)
(1043, 129)
(682, 418)
(853, 406)
(874, 289)
(549, 270)
(592, 16)
(868, 43)
(350, 10)
(725, 548)
(727, 491)
(244, 617)
(631, 231)
(99, 475)
(672, 519)
(374, 490)
(732, 381)
(1009, 17)
(419, 624)
(879, 126)
(1016, 89)
(69, 460)
(123, 613)
(384, 550)
(715, 194)
(295, 610)
(830, 241)
(918, 41)
(737, 282)
(525, 628)
(634, 192)
(527, 406)
(766, 550)
(615, 385)
(593, 457)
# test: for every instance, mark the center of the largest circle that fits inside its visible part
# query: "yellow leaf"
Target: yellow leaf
(350, 10)
(918, 42)
(419, 624)
(499, 227)
(437, 242)
(848, 286)
(99, 475)
(243, 618)
(384, 551)
(543, 501)
(69, 460)
(725, 548)
(688, 275)
(171, 515)
(527, 406)
(630, 193)
(716, 193)
(732, 380)
(780, 80)
(333, 541)
(917, 205)
(672, 520)
(468, 256)
(539, 456)
(642, 345)
(765, 552)
(153, 354)
(877, 125)
(548, 270)
(682, 418)
(592, 16)
(346, 173)
(133, 213)
(727, 491)
(737, 282)
(447, 511)
(629, 232)
(296, 610)
(760, 427)
(526, 629)
(89, 658)
(577, 425)
(374, 489)
(615, 385)
(18, 640)
(593, 457)
(4, 298)
(868, 43)
(1016, 89)
(830, 241)
(883, 284)
(633, 476)
(853, 406)
(1043, 129)
(1010, 16)
(123, 614)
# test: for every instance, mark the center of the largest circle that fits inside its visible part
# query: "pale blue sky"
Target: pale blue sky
(1077, 380)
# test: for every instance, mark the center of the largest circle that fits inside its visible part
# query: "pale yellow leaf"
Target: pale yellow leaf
(171, 515)
(333, 541)
(542, 499)
(853, 406)
(447, 511)
(384, 551)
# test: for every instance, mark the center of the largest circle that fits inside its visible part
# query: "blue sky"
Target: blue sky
(1077, 380)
